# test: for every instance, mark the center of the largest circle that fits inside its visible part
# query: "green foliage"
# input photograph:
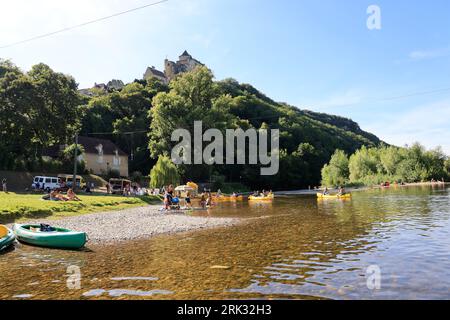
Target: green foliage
(370, 166)
(137, 177)
(192, 97)
(336, 172)
(123, 112)
(364, 164)
(37, 109)
(111, 173)
(218, 181)
(42, 108)
(447, 167)
(229, 188)
(164, 173)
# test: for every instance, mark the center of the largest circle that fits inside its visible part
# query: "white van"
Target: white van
(46, 183)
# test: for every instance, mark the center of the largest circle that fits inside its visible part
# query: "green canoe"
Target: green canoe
(7, 239)
(60, 238)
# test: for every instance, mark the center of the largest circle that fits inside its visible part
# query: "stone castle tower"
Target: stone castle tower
(185, 63)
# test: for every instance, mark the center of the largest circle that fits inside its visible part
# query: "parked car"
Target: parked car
(67, 180)
(46, 183)
(118, 185)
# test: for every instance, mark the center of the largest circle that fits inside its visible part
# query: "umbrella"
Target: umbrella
(184, 188)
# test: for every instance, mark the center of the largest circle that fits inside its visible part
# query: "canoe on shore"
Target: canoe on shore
(333, 196)
(7, 238)
(59, 238)
(266, 198)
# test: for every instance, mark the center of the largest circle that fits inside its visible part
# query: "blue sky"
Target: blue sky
(317, 55)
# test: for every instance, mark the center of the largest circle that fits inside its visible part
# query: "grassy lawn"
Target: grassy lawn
(15, 207)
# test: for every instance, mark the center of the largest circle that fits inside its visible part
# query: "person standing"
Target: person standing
(4, 187)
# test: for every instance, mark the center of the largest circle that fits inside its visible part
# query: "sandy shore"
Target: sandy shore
(135, 223)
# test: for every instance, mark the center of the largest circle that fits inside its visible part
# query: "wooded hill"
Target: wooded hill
(41, 108)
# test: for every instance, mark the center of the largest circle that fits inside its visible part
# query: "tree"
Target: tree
(390, 158)
(193, 97)
(37, 109)
(125, 113)
(364, 165)
(56, 109)
(435, 163)
(336, 172)
(164, 173)
(447, 167)
(68, 157)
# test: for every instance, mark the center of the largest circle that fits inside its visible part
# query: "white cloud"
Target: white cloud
(428, 124)
(429, 54)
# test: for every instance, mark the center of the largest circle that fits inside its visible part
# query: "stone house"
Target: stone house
(100, 156)
(152, 72)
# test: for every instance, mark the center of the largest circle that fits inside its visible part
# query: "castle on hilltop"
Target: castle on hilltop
(185, 63)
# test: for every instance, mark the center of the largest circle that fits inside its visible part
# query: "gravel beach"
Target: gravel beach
(135, 223)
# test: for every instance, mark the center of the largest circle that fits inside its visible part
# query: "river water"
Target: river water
(382, 244)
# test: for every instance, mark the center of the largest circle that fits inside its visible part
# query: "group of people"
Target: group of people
(262, 194)
(56, 195)
(341, 191)
(206, 199)
(170, 200)
(128, 190)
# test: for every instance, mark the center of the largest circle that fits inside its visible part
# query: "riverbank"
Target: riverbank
(17, 207)
(136, 223)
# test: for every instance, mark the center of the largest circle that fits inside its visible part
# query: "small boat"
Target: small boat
(7, 237)
(228, 198)
(59, 238)
(333, 196)
(259, 198)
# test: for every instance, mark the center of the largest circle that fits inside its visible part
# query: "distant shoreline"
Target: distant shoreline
(362, 188)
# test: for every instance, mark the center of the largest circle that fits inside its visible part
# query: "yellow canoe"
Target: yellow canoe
(267, 198)
(333, 196)
(228, 199)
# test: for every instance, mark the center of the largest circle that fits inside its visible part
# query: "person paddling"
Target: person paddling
(341, 191)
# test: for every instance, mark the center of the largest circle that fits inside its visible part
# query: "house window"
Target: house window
(116, 159)
(100, 153)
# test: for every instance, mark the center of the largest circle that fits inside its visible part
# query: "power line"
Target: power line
(414, 94)
(81, 24)
(116, 133)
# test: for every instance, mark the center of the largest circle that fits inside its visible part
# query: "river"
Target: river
(381, 244)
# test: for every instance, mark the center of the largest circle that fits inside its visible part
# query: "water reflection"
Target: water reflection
(297, 247)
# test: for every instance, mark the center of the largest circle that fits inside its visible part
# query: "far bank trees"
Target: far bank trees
(370, 166)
